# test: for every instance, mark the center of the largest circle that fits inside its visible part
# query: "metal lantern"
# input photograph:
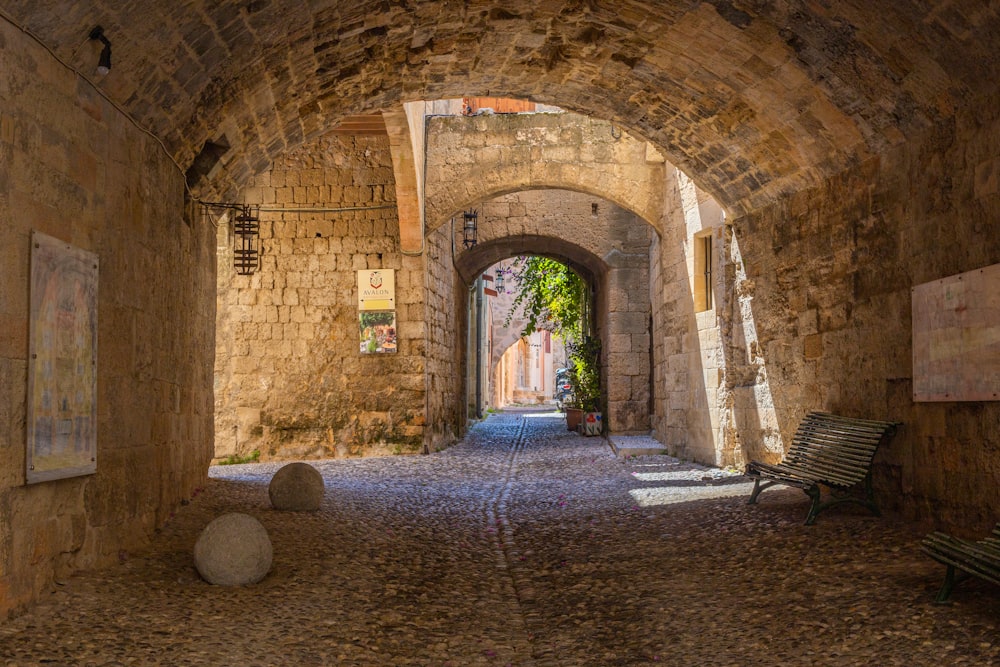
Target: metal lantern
(499, 282)
(246, 244)
(470, 220)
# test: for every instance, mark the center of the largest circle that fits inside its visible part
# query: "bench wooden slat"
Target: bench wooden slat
(835, 443)
(848, 461)
(834, 429)
(817, 444)
(986, 562)
(979, 558)
(829, 450)
(817, 440)
(831, 465)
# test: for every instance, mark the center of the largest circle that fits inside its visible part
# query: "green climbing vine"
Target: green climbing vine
(550, 295)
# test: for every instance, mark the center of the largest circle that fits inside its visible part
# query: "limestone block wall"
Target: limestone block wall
(446, 326)
(690, 397)
(72, 167)
(475, 158)
(828, 275)
(290, 379)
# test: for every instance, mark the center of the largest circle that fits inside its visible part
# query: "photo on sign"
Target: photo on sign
(378, 331)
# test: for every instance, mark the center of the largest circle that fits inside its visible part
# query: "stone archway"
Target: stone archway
(607, 245)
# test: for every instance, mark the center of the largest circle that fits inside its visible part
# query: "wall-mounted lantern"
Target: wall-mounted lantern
(246, 244)
(498, 282)
(470, 221)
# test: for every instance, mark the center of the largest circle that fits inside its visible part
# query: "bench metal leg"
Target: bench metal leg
(870, 495)
(951, 577)
(817, 507)
(814, 506)
(757, 488)
(949, 583)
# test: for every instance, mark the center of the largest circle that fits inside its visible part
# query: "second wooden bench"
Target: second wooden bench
(964, 557)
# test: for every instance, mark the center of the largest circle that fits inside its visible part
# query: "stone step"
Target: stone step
(635, 445)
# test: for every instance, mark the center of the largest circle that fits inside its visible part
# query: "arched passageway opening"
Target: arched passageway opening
(608, 246)
(532, 313)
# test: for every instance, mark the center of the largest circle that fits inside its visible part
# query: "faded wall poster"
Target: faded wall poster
(956, 337)
(62, 361)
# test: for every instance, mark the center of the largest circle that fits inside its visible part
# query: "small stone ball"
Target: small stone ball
(296, 487)
(233, 550)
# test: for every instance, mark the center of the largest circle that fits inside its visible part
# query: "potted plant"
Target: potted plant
(585, 377)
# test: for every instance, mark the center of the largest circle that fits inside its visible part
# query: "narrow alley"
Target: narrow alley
(523, 545)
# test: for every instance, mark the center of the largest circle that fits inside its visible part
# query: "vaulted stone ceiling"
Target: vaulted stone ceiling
(753, 99)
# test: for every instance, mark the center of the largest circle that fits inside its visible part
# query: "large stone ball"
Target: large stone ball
(233, 550)
(296, 487)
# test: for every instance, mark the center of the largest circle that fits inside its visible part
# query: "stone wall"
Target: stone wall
(829, 273)
(72, 167)
(475, 158)
(291, 381)
(690, 407)
(446, 326)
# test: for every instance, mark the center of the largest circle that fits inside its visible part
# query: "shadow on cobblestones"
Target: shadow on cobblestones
(522, 545)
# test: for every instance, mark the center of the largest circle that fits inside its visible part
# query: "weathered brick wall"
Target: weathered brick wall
(72, 167)
(830, 272)
(292, 382)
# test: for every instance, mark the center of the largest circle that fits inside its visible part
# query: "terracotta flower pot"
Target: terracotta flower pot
(573, 418)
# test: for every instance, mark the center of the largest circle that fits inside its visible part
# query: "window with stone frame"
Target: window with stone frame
(703, 264)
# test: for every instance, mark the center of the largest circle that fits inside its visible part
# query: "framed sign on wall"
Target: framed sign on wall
(956, 337)
(62, 361)
(377, 310)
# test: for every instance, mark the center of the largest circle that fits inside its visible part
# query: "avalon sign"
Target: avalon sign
(377, 289)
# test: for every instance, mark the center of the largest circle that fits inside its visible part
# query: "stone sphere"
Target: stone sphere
(296, 487)
(233, 550)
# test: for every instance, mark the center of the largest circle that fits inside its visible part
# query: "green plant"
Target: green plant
(236, 459)
(551, 296)
(585, 372)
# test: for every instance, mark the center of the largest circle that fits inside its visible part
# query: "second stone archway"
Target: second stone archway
(608, 246)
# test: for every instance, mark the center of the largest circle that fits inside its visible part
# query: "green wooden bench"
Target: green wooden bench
(964, 558)
(827, 450)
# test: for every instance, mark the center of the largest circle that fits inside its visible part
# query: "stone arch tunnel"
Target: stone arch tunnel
(852, 148)
(606, 245)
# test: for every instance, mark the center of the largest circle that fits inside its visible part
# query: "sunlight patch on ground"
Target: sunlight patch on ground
(685, 475)
(536, 415)
(669, 495)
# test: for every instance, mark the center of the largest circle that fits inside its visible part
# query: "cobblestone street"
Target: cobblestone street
(522, 545)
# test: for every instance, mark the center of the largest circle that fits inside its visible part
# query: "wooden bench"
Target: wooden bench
(827, 450)
(964, 558)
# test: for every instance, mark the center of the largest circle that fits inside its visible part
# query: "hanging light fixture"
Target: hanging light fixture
(498, 281)
(470, 220)
(246, 245)
(104, 62)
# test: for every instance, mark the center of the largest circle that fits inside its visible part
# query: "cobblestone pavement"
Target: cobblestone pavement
(523, 545)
